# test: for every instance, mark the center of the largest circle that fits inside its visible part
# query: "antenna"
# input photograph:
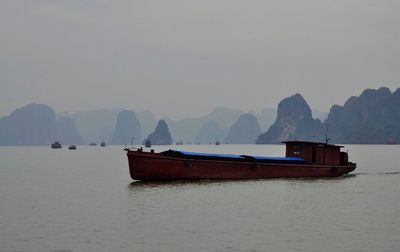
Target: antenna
(132, 141)
(326, 134)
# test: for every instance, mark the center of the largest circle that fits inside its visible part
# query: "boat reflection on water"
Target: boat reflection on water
(142, 185)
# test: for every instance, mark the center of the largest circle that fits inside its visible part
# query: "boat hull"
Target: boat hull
(147, 166)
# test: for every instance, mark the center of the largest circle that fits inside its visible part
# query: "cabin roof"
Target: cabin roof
(311, 143)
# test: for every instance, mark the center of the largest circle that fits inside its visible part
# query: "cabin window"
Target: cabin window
(296, 149)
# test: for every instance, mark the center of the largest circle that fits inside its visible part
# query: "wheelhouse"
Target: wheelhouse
(316, 152)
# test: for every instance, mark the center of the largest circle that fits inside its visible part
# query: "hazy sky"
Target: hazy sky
(177, 58)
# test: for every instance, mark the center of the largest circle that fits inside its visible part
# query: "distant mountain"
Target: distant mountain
(34, 124)
(210, 132)
(294, 122)
(224, 117)
(96, 125)
(61, 114)
(244, 131)
(188, 129)
(127, 126)
(372, 117)
(67, 132)
(266, 118)
(147, 120)
(161, 135)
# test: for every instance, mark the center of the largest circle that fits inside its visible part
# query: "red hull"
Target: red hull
(147, 166)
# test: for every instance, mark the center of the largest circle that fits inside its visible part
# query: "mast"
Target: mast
(326, 141)
(326, 134)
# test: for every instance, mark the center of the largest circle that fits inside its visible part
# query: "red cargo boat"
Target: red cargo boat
(302, 160)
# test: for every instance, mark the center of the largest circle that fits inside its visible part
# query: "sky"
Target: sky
(181, 57)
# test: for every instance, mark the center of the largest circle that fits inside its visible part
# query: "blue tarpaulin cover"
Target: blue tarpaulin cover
(278, 158)
(261, 158)
(210, 154)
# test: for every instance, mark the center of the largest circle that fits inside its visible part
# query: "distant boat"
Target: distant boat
(103, 144)
(217, 143)
(72, 147)
(147, 143)
(93, 144)
(56, 145)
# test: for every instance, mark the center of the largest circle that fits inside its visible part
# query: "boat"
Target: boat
(93, 144)
(103, 144)
(72, 147)
(56, 145)
(302, 160)
(147, 143)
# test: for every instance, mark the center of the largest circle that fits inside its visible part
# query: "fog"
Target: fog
(180, 58)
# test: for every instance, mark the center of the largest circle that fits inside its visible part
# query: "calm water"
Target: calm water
(84, 200)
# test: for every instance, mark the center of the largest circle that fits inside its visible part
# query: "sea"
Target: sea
(84, 200)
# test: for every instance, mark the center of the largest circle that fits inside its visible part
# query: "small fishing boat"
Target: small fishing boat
(56, 145)
(147, 143)
(302, 160)
(103, 144)
(72, 147)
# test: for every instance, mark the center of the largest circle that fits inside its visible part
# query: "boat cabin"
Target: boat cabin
(317, 153)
